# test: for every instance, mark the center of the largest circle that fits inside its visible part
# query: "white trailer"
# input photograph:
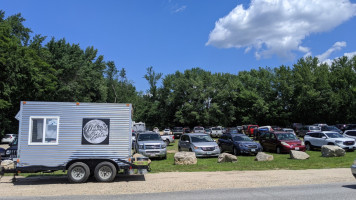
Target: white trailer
(82, 138)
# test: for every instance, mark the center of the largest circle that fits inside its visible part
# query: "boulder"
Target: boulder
(137, 155)
(185, 158)
(298, 155)
(7, 164)
(261, 156)
(226, 157)
(332, 151)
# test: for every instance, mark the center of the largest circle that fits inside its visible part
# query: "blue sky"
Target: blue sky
(216, 35)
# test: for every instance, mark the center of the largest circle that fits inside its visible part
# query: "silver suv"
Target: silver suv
(150, 144)
(318, 139)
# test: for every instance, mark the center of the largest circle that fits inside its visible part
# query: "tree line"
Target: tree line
(307, 92)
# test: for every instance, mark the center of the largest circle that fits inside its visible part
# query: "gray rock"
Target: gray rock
(7, 164)
(185, 158)
(299, 155)
(261, 156)
(226, 157)
(332, 151)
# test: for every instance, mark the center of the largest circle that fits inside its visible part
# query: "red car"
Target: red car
(280, 142)
(250, 129)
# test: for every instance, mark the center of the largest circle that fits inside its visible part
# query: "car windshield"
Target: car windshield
(253, 127)
(241, 138)
(333, 128)
(166, 130)
(334, 135)
(201, 138)
(149, 137)
(288, 130)
(200, 129)
(207, 130)
(286, 136)
(216, 129)
(233, 131)
(351, 133)
(314, 128)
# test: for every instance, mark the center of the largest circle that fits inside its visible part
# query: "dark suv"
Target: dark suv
(11, 152)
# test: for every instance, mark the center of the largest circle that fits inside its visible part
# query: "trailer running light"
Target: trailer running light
(18, 160)
(24, 102)
(77, 104)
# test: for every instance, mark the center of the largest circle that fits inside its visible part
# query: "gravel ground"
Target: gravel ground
(171, 181)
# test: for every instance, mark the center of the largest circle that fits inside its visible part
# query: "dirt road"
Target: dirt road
(171, 181)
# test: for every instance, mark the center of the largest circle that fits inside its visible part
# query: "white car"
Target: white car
(350, 134)
(8, 138)
(216, 132)
(167, 131)
(288, 130)
(318, 139)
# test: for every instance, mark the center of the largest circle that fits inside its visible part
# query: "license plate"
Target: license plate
(296, 148)
(208, 152)
(253, 150)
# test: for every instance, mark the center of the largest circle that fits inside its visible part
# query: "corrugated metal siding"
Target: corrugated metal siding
(70, 132)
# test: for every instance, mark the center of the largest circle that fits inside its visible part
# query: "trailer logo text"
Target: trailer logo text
(95, 131)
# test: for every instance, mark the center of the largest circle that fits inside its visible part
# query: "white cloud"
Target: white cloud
(278, 26)
(336, 47)
(330, 61)
(180, 9)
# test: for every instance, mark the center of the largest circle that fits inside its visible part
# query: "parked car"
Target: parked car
(350, 134)
(198, 129)
(320, 124)
(177, 132)
(239, 129)
(232, 130)
(199, 143)
(167, 131)
(341, 126)
(238, 144)
(208, 131)
(331, 128)
(280, 141)
(288, 130)
(350, 127)
(353, 169)
(156, 129)
(186, 130)
(8, 138)
(133, 139)
(320, 138)
(2, 153)
(250, 130)
(216, 131)
(296, 126)
(168, 139)
(11, 152)
(306, 129)
(150, 144)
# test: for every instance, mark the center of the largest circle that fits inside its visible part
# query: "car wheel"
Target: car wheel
(278, 150)
(78, 172)
(308, 146)
(167, 142)
(179, 149)
(105, 172)
(190, 150)
(221, 149)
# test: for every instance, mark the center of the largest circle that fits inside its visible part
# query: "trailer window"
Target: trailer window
(44, 130)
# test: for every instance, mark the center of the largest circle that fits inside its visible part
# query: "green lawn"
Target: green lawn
(281, 161)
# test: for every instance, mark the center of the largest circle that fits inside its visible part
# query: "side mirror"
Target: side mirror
(323, 137)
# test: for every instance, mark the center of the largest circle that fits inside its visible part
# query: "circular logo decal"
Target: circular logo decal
(95, 131)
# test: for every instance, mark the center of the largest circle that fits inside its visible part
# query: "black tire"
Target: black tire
(105, 172)
(221, 149)
(179, 149)
(278, 150)
(331, 143)
(308, 146)
(78, 172)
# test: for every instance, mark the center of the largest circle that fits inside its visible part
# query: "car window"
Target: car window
(314, 128)
(351, 133)
(273, 137)
(241, 138)
(334, 135)
(149, 137)
(265, 135)
(201, 138)
(286, 136)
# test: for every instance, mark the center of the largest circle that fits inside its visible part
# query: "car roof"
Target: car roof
(190, 134)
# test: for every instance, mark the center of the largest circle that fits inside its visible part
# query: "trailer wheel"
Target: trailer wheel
(78, 172)
(105, 172)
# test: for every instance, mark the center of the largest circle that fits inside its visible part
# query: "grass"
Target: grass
(281, 161)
